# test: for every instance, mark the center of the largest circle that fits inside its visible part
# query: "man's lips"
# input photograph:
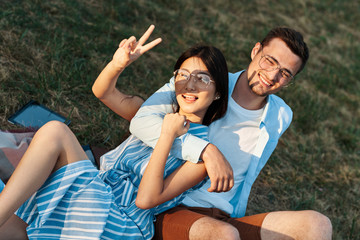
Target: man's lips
(264, 80)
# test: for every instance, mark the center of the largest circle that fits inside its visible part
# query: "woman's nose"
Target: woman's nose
(190, 84)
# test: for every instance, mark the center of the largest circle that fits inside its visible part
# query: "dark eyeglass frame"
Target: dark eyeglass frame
(196, 77)
(273, 61)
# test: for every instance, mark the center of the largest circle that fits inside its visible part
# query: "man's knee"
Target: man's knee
(210, 228)
(306, 224)
(229, 232)
(319, 224)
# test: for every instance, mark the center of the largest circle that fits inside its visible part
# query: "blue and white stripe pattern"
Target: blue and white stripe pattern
(80, 202)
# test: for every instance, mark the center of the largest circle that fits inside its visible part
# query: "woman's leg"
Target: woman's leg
(53, 146)
(14, 228)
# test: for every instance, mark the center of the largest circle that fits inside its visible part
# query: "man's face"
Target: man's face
(263, 81)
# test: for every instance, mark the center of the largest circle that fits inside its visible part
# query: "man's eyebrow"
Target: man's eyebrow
(287, 70)
(284, 69)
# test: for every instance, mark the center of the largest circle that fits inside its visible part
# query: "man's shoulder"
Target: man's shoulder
(277, 108)
(234, 76)
(278, 102)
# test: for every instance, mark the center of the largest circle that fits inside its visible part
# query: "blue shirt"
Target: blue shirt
(276, 118)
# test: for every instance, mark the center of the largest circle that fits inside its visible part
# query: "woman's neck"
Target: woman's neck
(192, 117)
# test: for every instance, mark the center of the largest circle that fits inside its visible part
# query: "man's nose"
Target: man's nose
(273, 74)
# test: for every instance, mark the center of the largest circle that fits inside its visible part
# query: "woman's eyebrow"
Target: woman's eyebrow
(197, 71)
(202, 71)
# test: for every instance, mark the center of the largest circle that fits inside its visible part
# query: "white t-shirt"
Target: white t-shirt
(236, 136)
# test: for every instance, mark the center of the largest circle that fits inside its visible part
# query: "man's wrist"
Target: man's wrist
(192, 147)
(207, 152)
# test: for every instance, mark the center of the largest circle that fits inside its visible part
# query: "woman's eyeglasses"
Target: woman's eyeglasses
(203, 80)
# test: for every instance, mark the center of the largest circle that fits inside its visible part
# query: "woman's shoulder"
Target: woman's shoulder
(199, 130)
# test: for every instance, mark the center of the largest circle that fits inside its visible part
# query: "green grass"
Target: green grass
(52, 51)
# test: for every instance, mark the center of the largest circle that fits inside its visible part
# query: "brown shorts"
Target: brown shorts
(176, 222)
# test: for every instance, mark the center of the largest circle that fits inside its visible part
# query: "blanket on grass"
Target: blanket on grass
(13, 145)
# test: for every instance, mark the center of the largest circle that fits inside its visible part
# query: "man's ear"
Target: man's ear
(255, 50)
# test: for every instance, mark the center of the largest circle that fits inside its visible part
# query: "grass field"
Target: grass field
(52, 51)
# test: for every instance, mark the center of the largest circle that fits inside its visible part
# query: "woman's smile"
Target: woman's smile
(193, 99)
(189, 98)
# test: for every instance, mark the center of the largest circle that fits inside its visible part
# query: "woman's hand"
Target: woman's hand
(174, 125)
(153, 188)
(129, 49)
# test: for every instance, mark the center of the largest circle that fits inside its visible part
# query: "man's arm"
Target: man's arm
(146, 125)
(218, 168)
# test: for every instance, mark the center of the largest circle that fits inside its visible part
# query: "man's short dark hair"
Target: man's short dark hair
(293, 39)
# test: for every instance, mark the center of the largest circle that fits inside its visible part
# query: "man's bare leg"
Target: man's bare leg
(286, 225)
(296, 225)
(212, 229)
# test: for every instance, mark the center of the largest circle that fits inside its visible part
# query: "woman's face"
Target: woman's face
(193, 96)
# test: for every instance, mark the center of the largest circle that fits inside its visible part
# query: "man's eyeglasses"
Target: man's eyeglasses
(203, 80)
(269, 64)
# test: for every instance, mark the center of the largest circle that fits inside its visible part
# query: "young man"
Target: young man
(246, 137)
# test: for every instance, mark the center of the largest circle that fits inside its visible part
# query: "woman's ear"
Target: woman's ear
(217, 96)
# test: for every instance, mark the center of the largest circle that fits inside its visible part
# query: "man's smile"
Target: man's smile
(264, 80)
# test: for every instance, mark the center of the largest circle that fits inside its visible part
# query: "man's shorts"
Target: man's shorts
(176, 222)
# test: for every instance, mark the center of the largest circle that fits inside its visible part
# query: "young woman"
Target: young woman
(60, 195)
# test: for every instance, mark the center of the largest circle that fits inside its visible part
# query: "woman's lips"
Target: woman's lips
(189, 98)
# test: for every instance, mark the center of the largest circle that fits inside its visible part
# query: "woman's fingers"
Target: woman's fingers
(146, 35)
(122, 43)
(144, 48)
(128, 44)
(150, 45)
(139, 46)
(134, 49)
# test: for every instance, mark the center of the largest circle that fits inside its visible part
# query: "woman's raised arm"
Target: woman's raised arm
(104, 87)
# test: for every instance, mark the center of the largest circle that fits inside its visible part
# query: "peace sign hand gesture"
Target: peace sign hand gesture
(129, 49)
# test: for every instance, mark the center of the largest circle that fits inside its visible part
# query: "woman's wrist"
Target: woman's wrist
(168, 136)
(115, 66)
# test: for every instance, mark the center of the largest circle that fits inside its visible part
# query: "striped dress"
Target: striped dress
(80, 202)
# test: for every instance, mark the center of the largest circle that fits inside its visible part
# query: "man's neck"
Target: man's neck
(244, 96)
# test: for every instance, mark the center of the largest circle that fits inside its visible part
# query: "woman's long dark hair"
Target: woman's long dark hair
(215, 62)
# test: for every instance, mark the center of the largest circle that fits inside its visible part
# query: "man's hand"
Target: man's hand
(218, 169)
